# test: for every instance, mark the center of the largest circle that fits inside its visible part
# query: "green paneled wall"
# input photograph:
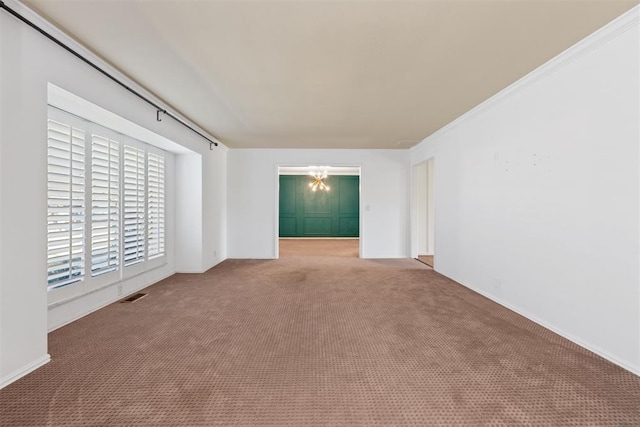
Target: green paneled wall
(305, 213)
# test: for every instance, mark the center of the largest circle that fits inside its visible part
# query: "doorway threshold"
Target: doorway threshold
(426, 259)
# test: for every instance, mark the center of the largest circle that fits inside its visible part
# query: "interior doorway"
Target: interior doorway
(424, 212)
(318, 211)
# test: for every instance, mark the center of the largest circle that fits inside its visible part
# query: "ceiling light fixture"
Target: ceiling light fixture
(318, 181)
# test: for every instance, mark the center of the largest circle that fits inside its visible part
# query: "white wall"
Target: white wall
(28, 63)
(430, 208)
(3, 42)
(252, 198)
(23, 280)
(201, 215)
(214, 208)
(537, 194)
(421, 209)
(189, 214)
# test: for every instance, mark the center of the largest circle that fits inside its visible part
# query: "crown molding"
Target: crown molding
(610, 31)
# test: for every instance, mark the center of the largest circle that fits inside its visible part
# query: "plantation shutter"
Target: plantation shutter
(155, 207)
(105, 202)
(134, 205)
(105, 206)
(65, 204)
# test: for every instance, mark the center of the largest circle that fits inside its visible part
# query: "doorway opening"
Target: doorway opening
(424, 212)
(318, 211)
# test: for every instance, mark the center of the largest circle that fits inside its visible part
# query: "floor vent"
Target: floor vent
(134, 297)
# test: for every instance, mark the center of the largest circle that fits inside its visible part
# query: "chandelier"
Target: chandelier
(318, 181)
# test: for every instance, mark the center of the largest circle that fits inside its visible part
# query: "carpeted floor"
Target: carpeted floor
(320, 340)
(349, 248)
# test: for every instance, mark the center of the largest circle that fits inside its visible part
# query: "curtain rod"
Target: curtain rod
(158, 108)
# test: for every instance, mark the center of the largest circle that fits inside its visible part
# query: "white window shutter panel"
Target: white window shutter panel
(105, 205)
(155, 204)
(134, 211)
(65, 204)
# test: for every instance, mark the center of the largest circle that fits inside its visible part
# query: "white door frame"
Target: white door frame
(423, 193)
(276, 237)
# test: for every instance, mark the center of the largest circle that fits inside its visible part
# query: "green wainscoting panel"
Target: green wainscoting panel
(316, 226)
(315, 202)
(288, 227)
(305, 213)
(288, 203)
(349, 195)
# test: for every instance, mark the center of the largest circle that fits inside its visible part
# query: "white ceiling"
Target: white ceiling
(327, 74)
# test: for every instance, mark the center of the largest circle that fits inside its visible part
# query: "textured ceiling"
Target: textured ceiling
(327, 74)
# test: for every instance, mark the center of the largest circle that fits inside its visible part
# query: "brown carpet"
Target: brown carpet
(426, 259)
(348, 248)
(306, 341)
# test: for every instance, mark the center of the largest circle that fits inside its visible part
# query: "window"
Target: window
(65, 204)
(105, 206)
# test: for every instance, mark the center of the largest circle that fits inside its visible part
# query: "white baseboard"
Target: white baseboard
(197, 271)
(109, 301)
(16, 375)
(593, 348)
